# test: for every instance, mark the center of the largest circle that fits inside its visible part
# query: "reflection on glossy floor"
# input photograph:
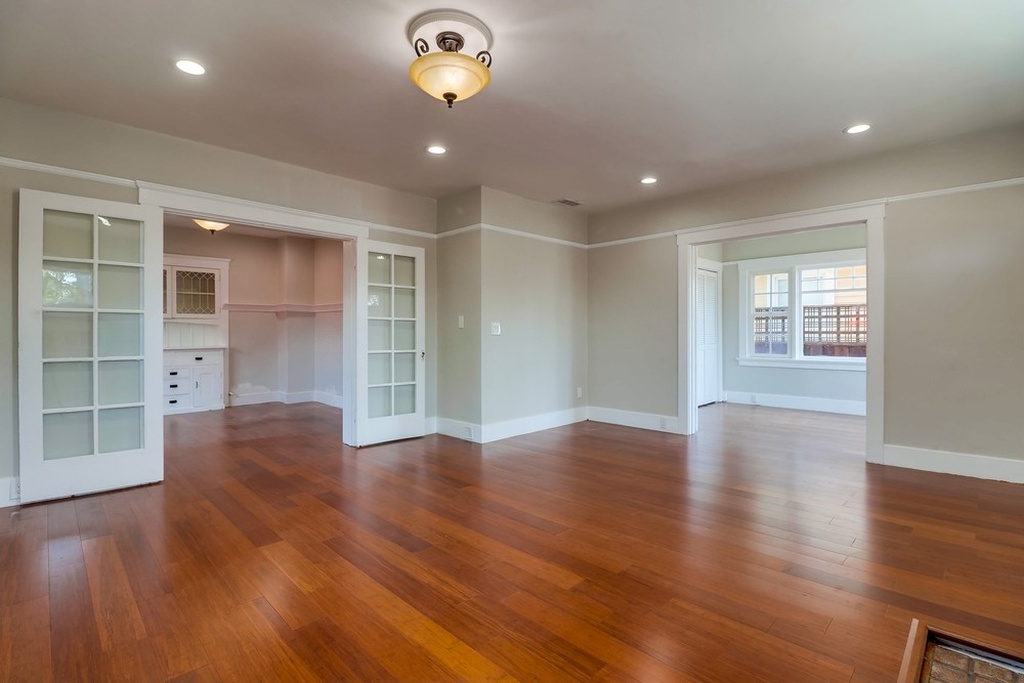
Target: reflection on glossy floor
(762, 549)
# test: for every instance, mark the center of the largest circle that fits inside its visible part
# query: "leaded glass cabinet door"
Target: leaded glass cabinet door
(89, 345)
(390, 373)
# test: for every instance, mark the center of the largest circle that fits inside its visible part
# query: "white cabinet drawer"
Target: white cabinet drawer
(173, 387)
(193, 357)
(180, 402)
(174, 374)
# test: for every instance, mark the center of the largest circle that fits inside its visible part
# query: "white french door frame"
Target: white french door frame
(872, 216)
(373, 430)
(100, 470)
(355, 233)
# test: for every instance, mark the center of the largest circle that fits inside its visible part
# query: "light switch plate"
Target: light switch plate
(495, 328)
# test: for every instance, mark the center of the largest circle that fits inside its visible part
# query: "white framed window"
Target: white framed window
(807, 310)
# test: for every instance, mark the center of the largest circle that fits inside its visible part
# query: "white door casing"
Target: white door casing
(872, 215)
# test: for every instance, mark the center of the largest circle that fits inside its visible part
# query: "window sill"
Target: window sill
(846, 364)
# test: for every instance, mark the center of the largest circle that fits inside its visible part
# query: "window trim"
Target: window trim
(774, 264)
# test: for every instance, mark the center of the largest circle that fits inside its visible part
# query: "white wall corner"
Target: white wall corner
(10, 493)
(963, 464)
(527, 425)
(467, 431)
(626, 418)
(819, 405)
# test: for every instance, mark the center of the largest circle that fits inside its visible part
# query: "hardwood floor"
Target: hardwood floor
(763, 549)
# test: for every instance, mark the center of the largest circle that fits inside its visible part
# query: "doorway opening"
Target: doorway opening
(870, 217)
(261, 307)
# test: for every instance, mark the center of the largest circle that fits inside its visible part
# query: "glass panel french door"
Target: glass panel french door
(391, 365)
(89, 338)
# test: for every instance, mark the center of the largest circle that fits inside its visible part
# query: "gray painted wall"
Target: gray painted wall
(957, 393)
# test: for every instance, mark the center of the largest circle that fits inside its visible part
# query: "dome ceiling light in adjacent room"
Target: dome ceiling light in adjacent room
(450, 74)
(212, 226)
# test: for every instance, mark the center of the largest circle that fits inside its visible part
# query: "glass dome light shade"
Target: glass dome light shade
(438, 73)
(212, 226)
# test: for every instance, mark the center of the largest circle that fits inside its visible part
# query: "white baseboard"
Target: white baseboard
(627, 418)
(528, 425)
(964, 464)
(9, 496)
(329, 399)
(821, 405)
(254, 398)
(467, 431)
(297, 397)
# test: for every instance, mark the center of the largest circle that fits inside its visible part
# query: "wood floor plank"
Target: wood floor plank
(25, 653)
(762, 549)
(115, 610)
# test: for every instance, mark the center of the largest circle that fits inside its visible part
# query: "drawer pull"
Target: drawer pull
(173, 373)
(174, 386)
(199, 357)
(173, 401)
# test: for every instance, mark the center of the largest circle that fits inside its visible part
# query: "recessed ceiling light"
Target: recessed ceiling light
(648, 180)
(190, 67)
(859, 128)
(436, 149)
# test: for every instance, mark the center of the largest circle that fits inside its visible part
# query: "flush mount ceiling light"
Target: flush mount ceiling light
(859, 128)
(436, 149)
(451, 73)
(648, 180)
(190, 67)
(212, 226)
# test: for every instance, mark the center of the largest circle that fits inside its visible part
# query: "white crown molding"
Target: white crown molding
(67, 172)
(991, 185)
(155, 190)
(960, 189)
(403, 231)
(510, 231)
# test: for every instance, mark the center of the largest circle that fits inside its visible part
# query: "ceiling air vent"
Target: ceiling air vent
(565, 201)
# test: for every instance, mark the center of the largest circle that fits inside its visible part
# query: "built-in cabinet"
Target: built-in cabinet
(195, 333)
(193, 380)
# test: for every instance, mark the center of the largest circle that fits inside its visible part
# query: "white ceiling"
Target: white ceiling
(586, 96)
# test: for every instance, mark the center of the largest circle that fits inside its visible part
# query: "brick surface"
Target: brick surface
(940, 673)
(952, 658)
(987, 672)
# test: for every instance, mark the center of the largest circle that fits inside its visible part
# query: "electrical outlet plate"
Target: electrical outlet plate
(15, 489)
